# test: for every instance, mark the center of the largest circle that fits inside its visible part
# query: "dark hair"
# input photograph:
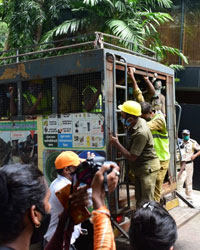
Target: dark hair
(152, 228)
(60, 171)
(21, 186)
(146, 107)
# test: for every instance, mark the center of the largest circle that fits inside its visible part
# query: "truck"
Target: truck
(57, 74)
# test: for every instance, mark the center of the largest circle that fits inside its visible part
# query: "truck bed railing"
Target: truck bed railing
(79, 43)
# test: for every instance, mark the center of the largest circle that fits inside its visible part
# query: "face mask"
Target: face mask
(125, 122)
(39, 232)
(186, 137)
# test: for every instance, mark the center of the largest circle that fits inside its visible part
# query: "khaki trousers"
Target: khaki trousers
(186, 177)
(159, 180)
(145, 186)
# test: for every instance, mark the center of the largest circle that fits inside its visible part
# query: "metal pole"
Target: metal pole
(182, 29)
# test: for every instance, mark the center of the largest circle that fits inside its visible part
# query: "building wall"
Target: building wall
(184, 31)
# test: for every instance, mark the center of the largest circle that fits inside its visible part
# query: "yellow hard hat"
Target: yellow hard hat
(131, 107)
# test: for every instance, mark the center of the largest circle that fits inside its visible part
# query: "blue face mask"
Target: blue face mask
(125, 122)
(186, 137)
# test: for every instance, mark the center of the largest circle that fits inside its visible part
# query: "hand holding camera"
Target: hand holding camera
(95, 173)
(98, 192)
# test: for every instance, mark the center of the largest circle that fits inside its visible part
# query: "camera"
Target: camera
(87, 169)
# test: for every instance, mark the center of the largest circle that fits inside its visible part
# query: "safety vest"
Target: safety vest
(43, 107)
(161, 140)
(98, 106)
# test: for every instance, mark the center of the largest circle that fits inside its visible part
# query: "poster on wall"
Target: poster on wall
(74, 131)
(18, 142)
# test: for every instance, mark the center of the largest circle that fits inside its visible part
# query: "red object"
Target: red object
(119, 218)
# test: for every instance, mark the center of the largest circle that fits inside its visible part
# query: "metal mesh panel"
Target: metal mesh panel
(120, 93)
(8, 100)
(37, 97)
(77, 93)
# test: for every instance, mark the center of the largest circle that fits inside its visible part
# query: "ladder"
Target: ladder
(123, 136)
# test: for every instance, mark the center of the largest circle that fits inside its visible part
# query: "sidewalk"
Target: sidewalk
(187, 220)
(189, 235)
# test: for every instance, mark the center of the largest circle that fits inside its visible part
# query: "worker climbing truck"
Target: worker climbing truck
(66, 97)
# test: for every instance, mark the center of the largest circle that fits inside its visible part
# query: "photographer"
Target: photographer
(66, 163)
(25, 208)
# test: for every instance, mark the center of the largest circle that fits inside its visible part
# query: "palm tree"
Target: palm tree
(33, 21)
(133, 20)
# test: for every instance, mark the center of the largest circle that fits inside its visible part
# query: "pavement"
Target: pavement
(189, 235)
(189, 230)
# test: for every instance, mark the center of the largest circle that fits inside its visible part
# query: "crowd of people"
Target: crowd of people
(26, 203)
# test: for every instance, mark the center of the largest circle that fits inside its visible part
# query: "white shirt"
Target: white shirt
(57, 208)
(188, 148)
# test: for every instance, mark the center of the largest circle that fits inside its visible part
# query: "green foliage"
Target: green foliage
(3, 34)
(176, 67)
(33, 21)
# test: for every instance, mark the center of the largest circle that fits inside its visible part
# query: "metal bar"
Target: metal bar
(118, 38)
(120, 86)
(117, 110)
(184, 200)
(114, 122)
(50, 43)
(130, 51)
(54, 95)
(47, 50)
(17, 58)
(122, 63)
(19, 97)
(119, 228)
(179, 116)
(121, 135)
(182, 29)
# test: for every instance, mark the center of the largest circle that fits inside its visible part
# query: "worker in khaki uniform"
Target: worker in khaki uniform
(139, 152)
(157, 124)
(188, 148)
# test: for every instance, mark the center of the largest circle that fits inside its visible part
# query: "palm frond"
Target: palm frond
(176, 67)
(157, 17)
(71, 26)
(161, 3)
(175, 51)
(92, 2)
(120, 6)
(164, 3)
(48, 36)
(126, 31)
